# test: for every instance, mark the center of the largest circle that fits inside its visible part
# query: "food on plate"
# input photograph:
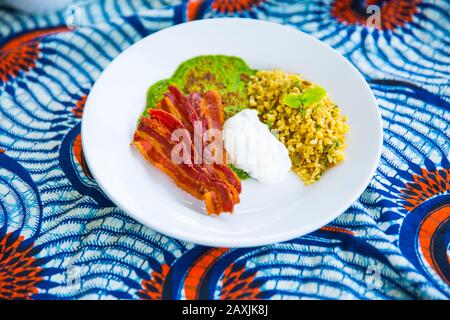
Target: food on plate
(269, 122)
(253, 148)
(225, 74)
(308, 123)
(214, 183)
(239, 172)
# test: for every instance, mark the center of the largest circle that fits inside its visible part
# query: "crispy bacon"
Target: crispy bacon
(228, 175)
(195, 99)
(212, 110)
(154, 155)
(191, 178)
(214, 183)
(167, 105)
(183, 109)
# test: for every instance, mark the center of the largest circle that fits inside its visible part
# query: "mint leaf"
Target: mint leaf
(293, 100)
(310, 96)
(313, 95)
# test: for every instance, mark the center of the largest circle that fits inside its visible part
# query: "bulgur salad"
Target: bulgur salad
(307, 121)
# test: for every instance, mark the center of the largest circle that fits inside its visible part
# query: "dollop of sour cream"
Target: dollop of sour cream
(253, 148)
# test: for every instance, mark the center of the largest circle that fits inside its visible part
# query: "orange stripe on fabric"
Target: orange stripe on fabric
(199, 269)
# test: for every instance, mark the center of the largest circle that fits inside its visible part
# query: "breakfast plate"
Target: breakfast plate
(266, 213)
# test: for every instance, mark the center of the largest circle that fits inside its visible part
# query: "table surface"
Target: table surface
(60, 237)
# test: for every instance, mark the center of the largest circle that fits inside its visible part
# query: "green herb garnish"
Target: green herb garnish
(239, 172)
(337, 143)
(310, 96)
(232, 110)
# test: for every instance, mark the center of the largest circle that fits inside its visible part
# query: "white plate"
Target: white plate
(267, 213)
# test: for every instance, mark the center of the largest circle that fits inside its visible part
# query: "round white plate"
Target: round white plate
(267, 213)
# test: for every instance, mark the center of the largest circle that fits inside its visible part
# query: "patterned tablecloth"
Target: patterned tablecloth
(60, 237)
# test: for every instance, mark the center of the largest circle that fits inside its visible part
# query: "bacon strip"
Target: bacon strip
(212, 110)
(180, 106)
(191, 178)
(153, 154)
(215, 183)
(195, 99)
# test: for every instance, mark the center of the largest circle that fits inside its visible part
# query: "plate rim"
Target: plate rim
(267, 239)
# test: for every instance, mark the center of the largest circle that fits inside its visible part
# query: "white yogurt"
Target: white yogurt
(253, 148)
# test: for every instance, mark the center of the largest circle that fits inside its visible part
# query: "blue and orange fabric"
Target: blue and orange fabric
(61, 237)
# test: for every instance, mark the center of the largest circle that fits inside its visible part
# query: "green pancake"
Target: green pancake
(228, 75)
